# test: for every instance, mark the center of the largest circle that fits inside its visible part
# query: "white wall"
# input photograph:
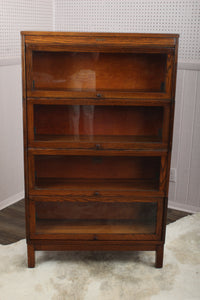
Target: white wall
(159, 16)
(22, 15)
(185, 193)
(11, 139)
(14, 17)
(180, 16)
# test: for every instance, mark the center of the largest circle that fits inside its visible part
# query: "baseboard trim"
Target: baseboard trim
(192, 65)
(183, 207)
(11, 200)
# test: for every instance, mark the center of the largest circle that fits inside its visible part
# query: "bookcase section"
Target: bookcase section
(94, 71)
(62, 174)
(98, 126)
(96, 220)
(100, 73)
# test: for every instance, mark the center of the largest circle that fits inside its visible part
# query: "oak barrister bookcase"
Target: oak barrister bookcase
(98, 119)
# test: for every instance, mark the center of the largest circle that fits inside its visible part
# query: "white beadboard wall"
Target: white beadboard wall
(180, 16)
(185, 193)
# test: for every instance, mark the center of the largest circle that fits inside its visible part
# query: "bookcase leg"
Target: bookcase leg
(31, 256)
(159, 256)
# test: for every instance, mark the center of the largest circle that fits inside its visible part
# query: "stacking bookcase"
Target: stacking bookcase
(98, 119)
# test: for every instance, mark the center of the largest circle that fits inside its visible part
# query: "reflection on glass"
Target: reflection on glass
(87, 116)
(106, 173)
(98, 123)
(91, 72)
(95, 217)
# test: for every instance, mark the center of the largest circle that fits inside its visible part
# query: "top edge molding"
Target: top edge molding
(113, 34)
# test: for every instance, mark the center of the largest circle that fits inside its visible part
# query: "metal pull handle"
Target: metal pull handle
(99, 95)
(98, 146)
(96, 194)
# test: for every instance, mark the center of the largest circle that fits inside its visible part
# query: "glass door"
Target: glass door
(98, 126)
(99, 74)
(81, 174)
(97, 220)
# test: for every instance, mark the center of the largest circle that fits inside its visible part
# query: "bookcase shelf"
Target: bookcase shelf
(136, 218)
(97, 185)
(93, 227)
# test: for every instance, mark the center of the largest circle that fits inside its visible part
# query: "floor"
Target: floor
(12, 222)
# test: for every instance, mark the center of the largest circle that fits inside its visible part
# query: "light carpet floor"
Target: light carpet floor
(107, 275)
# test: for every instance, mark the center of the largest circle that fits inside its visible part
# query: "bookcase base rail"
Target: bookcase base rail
(95, 246)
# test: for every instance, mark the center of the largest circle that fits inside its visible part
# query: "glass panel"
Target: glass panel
(96, 123)
(82, 71)
(96, 217)
(96, 172)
